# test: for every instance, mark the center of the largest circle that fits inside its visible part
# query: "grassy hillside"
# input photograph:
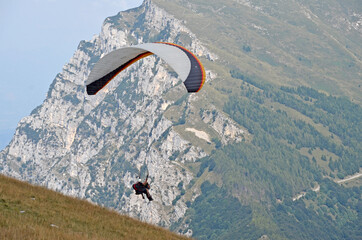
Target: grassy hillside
(31, 212)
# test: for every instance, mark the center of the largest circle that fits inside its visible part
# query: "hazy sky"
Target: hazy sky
(37, 37)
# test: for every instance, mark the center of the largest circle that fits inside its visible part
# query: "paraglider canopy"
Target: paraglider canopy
(183, 62)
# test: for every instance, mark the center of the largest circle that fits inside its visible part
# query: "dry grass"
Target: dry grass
(31, 212)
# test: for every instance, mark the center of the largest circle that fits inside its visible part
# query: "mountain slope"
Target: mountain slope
(274, 128)
(31, 212)
(300, 136)
(286, 42)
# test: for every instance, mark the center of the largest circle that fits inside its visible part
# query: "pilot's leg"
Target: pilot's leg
(148, 195)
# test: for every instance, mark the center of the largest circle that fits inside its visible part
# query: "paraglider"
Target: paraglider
(142, 187)
(183, 62)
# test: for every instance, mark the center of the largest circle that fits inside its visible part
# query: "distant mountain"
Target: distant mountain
(257, 153)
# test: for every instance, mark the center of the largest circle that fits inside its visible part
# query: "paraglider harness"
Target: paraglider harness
(141, 188)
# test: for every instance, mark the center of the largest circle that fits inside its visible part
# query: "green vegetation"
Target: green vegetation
(274, 166)
(342, 118)
(279, 163)
(331, 214)
(216, 215)
(30, 212)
